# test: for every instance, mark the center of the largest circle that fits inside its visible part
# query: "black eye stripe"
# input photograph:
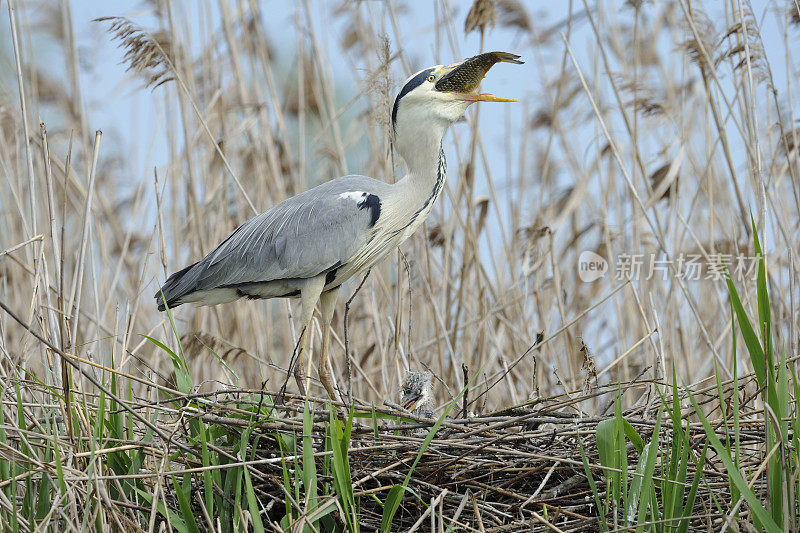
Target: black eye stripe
(412, 84)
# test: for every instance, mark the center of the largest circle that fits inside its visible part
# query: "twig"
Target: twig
(77, 279)
(465, 397)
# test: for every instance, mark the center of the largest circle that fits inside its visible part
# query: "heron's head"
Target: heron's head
(438, 96)
(415, 392)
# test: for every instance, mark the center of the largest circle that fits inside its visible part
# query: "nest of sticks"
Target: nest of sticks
(518, 469)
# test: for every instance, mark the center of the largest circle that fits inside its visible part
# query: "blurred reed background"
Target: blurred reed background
(643, 128)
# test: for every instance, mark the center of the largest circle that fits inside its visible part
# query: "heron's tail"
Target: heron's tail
(176, 287)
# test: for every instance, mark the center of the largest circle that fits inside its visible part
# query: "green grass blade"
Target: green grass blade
(182, 378)
(602, 512)
(309, 473)
(688, 508)
(649, 458)
(206, 459)
(764, 319)
(252, 501)
(622, 450)
(287, 483)
(176, 521)
(636, 492)
(608, 450)
(393, 500)
(748, 334)
(736, 446)
(633, 435)
(43, 502)
(672, 490)
(341, 471)
(752, 500)
(185, 506)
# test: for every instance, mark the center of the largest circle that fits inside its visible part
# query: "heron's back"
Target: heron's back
(269, 255)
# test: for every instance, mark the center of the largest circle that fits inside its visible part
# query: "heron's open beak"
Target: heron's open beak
(483, 97)
(465, 77)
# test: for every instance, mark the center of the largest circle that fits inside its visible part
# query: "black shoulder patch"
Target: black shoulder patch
(412, 84)
(373, 203)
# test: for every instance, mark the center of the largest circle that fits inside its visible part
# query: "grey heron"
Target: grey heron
(308, 245)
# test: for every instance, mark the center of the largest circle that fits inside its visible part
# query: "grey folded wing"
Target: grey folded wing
(302, 237)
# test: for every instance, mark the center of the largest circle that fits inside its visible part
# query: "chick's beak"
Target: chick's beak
(463, 79)
(410, 403)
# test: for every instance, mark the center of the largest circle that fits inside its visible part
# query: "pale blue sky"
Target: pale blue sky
(114, 95)
(132, 117)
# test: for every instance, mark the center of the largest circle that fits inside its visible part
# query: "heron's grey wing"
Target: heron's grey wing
(301, 237)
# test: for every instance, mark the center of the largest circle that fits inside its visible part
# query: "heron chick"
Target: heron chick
(309, 244)
(416, 394)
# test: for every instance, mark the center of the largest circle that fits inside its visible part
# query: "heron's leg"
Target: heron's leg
(298, 365)
(309, 296)
(327, 304)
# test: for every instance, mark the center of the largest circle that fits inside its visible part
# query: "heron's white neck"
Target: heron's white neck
(420, 146)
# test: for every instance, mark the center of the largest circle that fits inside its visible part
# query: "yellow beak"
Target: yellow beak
(482, 97)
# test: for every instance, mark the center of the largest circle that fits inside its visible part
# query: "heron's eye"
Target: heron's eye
(419, 391)
(431, 78)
